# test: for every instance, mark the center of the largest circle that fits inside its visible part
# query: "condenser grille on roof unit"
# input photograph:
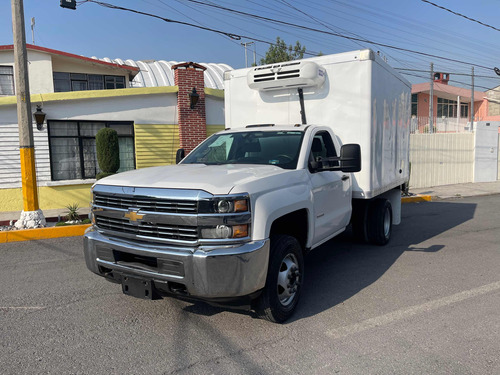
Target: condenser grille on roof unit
(287, 75)
(277, 65)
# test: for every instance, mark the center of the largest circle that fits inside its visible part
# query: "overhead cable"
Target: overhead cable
(336, 34)
(239, 37)
(460, 15)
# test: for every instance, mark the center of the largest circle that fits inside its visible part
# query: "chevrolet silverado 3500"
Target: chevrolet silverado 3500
(231, 222)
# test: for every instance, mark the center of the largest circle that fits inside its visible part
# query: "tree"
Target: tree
(281, 52)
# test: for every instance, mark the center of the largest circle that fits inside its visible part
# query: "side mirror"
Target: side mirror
(179, 155)
(350, 158)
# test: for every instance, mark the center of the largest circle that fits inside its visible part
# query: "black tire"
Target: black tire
(359, 220)
(379, 222)
(277, 303)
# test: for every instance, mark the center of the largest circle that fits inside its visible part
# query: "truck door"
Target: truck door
(331, 190)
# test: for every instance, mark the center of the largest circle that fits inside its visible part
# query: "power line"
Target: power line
(107, 5)
(454, 73)
(235, 36)
(460, 15)
(336, 34)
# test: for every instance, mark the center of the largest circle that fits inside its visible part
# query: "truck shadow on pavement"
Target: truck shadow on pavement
(340, 268)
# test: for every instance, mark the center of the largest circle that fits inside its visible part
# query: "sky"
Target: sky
(93, 30)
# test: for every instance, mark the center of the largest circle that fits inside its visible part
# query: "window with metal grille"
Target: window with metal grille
(72, 148)
(6, 80)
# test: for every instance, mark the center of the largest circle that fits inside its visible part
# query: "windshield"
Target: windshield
(280, 148)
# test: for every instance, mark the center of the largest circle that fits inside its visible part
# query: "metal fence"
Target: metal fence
(420, 125)
(441, 159)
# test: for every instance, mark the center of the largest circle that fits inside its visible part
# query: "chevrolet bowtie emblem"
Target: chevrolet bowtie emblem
(133, 216)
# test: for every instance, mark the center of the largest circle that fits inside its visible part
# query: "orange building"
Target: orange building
(452, 106)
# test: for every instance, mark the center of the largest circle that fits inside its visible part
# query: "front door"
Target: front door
(331, 191)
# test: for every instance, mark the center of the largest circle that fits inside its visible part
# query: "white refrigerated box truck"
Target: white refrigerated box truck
(311, 147)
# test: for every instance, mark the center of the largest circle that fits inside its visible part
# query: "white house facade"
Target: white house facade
(144, 101)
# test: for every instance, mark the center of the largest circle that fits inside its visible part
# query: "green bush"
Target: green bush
(108, 152)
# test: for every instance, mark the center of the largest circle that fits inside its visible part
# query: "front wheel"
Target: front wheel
(285, 275)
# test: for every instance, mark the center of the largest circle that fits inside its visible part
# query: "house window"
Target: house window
(6, 80)
(464, 110)
(414, 104)
(114, 82)
(79, 82)
(72, 148)
(448, 108)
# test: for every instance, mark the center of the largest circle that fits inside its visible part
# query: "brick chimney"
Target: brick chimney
(441, 77)
(192, 122)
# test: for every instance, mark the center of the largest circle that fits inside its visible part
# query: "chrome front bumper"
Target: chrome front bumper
(206, 271)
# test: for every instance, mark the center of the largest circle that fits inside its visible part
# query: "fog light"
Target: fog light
(218, 232)
(223, 231)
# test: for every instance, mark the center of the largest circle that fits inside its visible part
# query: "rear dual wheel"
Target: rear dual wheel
(380, 222)
(372, 221)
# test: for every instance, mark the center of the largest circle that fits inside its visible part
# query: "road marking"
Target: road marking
(22, 308)
(408, 312)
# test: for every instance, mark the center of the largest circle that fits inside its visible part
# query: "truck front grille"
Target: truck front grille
(146, 203)
(150, 230)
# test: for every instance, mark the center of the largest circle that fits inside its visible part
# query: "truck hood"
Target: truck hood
(214, 179)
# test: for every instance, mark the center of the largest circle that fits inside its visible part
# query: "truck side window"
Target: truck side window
(322, 147)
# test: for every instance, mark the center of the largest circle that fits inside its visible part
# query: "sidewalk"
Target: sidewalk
(471, 189)
(435, 193)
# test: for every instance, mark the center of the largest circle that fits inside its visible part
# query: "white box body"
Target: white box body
(361, 98)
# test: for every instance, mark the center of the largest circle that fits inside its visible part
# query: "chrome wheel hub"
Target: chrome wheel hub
(387, 222)
(288, 280)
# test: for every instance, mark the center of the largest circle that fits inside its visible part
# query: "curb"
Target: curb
(416, 199)
(42, 233)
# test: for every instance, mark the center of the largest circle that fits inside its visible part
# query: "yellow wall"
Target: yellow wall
(155, 144)
(50, 197)
(212, 129)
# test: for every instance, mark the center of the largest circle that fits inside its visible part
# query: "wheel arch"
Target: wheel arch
(295, 224)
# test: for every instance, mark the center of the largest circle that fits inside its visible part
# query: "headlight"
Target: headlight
(224, 205)
(225, 231)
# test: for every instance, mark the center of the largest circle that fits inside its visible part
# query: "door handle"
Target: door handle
(345, 177)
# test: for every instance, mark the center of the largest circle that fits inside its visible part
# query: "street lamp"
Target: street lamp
(39, 116)
(193, 98)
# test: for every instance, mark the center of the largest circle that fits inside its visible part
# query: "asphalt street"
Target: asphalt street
(427, 303)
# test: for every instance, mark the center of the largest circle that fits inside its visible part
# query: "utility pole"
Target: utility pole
(33, 29)
(246, 59)
(472, 102)
(32, 216)
(254, 55)
(431, 101)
